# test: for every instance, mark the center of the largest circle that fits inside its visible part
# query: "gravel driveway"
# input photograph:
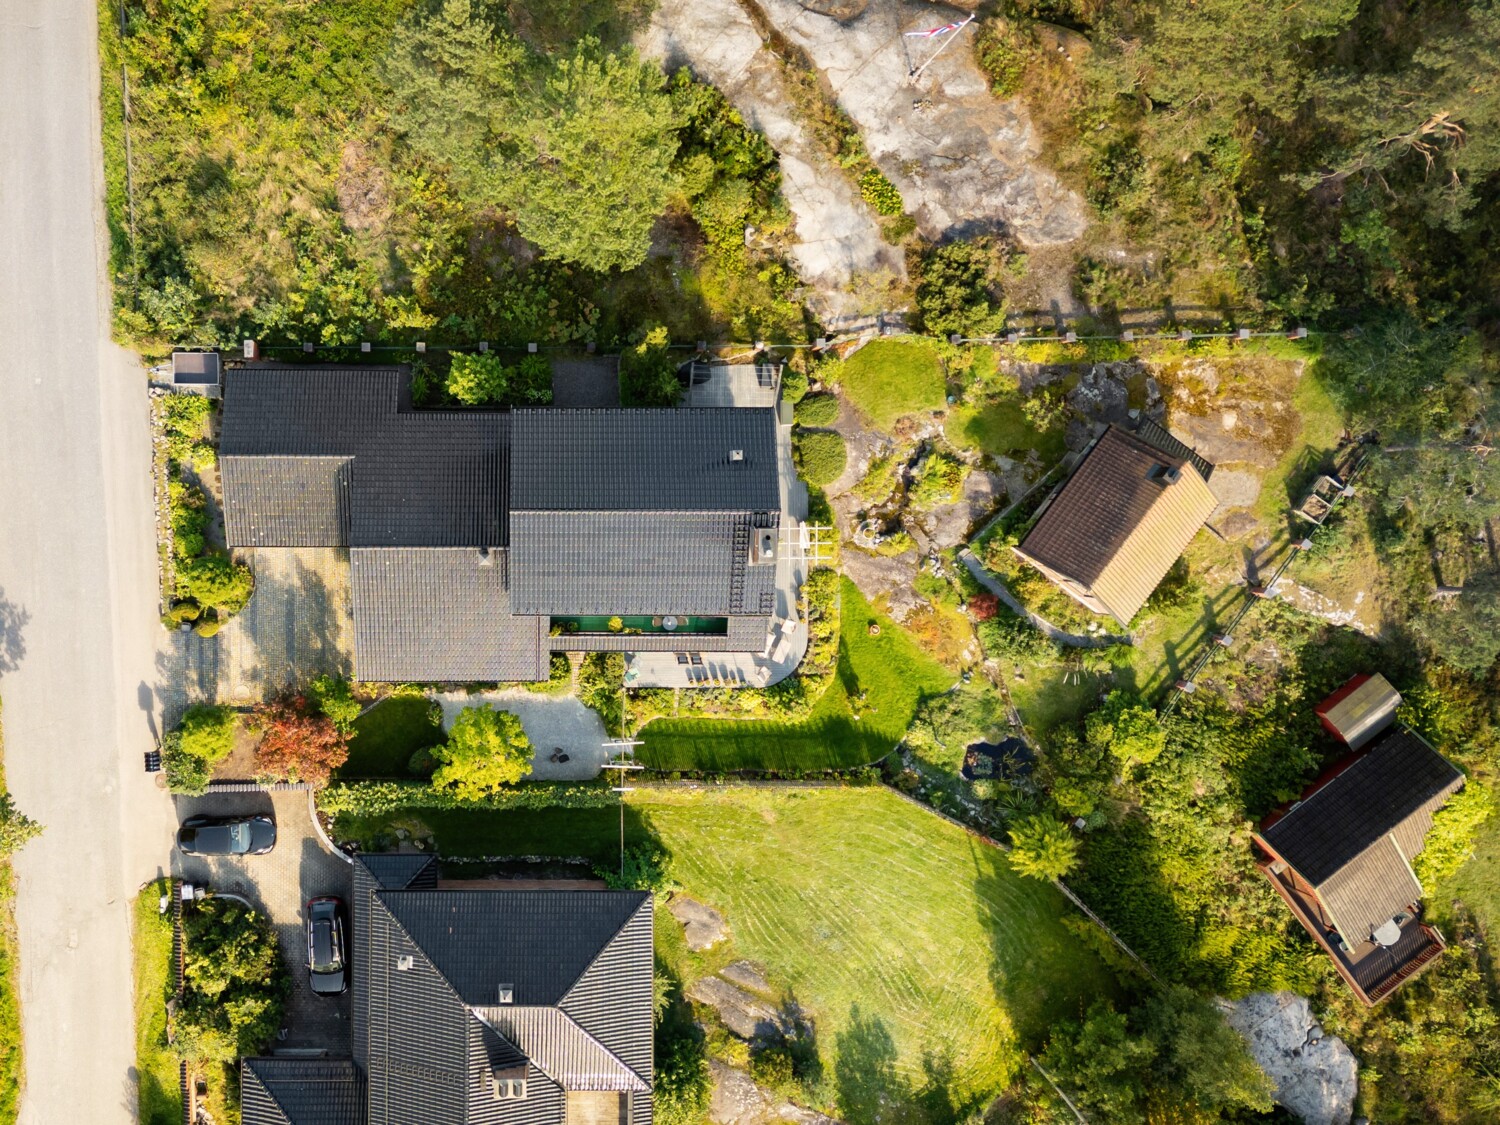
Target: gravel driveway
(279, 884)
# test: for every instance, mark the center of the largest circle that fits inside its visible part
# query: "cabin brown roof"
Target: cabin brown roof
(1121, 520)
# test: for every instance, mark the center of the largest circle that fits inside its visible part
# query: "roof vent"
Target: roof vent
(405, 962)
(507, 994)
(736, 454)
(1163, 475)
(486, 558)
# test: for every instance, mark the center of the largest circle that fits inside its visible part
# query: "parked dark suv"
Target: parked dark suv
(327, 966)
(227, 835)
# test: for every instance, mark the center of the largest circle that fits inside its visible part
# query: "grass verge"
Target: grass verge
(387, 735)
(865, 710)
(11, 1069)
(926, 964)
(160, 1098)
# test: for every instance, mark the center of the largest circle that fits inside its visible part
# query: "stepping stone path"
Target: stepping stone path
(703, 926)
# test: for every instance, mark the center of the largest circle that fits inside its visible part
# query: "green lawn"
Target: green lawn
(889, 671)
(921, 957)
(997, 426)
(387, 735)
(1477, 883)
(160, 1101)
(888, 378)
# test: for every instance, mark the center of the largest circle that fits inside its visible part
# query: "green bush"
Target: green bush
(643, 869)
(958, 289)
(880, 193)
(648, 372)
(335, 698)
(16, 828)
(1450, 841)
(201, 740)
(181, 613)
(186, 414)
(941, 477)
(376, 798)
(234, 984)
(208, 626)
(216, 582)
(476, 379)
(793, 385)
(1006, 636)
(1043, 847)
(188, 508)
(1001, 57)
(821, 456)
(817, 410)
(601, 681)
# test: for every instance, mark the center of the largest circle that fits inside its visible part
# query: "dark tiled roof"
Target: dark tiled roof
(306, 411)
(644, 460)
(398, 871)
(540, 942)
(301, 1092)
(436, 613)
(1354, 838)
(286, 501)
(435, 479)
(616, 562)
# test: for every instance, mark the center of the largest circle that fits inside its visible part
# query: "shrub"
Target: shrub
(215, 581)
(234, 985)
(188, 509)
(601, 681)
(643, 869)
(957, 289)
(476, 379)
(683, 1083)
(531, 384)
(181, 613)
(939, 482)
(817, 410)
(202, 739)
(1042, 847)
(16, 828)
(983, 607)
(821, 456)
(379, 798)
(1013, 638)
(335, 698)
(208, 626)
(186, 414)
(486, 751)
(1001, 58)
(1127, 729)
(1450, 841)
(793, 385)
(648, 372)
(298, 742)
(880, 193)
(772, 1066)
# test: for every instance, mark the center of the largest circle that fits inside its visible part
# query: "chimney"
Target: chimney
(252, 350)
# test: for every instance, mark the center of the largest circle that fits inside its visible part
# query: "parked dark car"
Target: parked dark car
(227, 835)
(327, 963)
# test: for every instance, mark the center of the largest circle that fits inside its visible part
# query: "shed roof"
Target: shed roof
(1118, 524)
(1354, 838)
(1360, 710)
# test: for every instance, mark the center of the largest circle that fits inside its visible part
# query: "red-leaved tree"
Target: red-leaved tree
(983, 606)
(298, 742)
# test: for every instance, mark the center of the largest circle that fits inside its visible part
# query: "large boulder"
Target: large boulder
(739, 1100)
(1316, 1075)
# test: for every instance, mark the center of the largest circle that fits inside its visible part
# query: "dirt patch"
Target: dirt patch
(364, 190)
(703, 926)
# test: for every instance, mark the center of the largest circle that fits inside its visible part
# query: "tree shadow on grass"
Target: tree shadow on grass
(872, 1090)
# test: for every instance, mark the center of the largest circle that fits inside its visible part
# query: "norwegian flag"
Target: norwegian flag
(947, 27)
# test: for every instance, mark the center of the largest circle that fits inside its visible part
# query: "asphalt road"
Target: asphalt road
(78, 623)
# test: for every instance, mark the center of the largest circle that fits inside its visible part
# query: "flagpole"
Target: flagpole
(916, 74)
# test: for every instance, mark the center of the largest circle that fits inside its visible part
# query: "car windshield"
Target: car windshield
(239, 837)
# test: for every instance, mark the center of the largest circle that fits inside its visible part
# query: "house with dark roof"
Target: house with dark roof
(1341, 855)
(1129, 508)
(482, 541)
(479, 1007)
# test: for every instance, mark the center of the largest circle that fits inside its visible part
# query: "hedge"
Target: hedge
(375, 798)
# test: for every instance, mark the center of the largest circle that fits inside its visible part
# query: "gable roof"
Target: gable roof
(287, 501)
(440, 613)
(1113, 528)
(667, 460)
(285, 1091)
(1354, 838)
(270, 410)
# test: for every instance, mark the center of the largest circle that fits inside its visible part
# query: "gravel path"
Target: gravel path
(550, 721)
(1062, 637)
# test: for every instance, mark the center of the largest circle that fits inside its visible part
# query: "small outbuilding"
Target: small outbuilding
(1359, 710)
(196, 373)
(1126, 513)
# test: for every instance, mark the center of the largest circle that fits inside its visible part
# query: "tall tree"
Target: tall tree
(486, 751)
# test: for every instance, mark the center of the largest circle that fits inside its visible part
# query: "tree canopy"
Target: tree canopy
(486, 751)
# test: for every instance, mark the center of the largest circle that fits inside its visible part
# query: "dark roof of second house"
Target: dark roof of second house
(1355, 837)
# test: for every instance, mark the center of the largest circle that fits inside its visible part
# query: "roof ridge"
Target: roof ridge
(556, 1009)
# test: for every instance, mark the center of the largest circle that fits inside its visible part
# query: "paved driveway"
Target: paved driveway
(279, 884)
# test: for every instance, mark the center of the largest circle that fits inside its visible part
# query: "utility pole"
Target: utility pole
(916, 74)
(626, 748)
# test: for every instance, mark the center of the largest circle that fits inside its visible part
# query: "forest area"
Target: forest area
(457, 171)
